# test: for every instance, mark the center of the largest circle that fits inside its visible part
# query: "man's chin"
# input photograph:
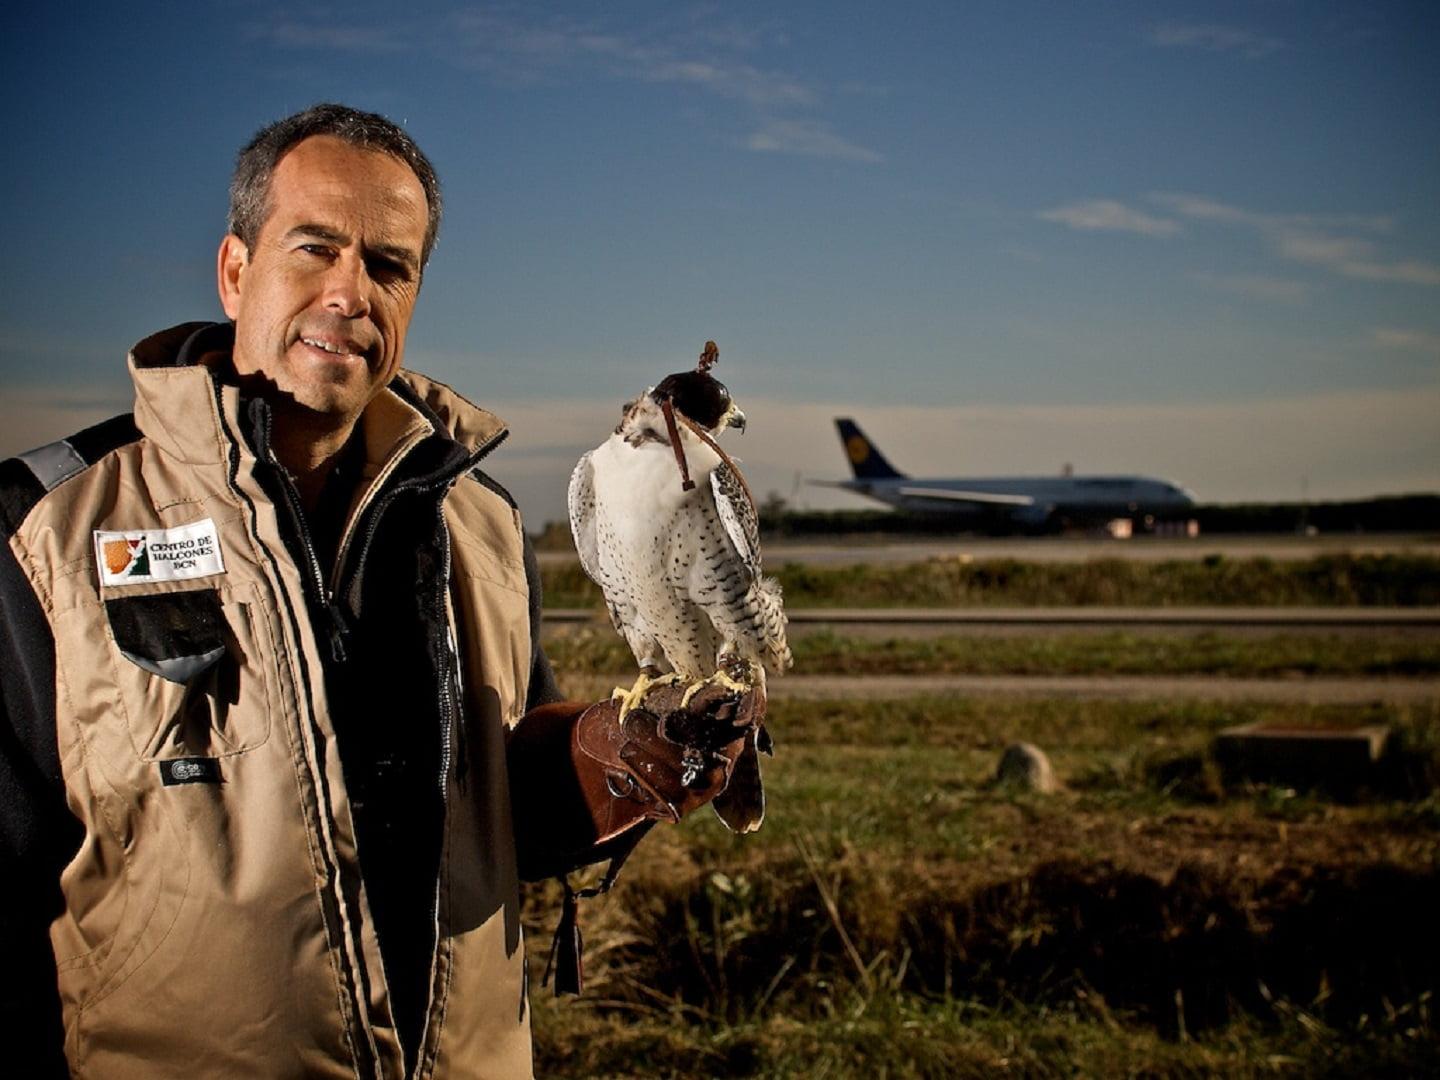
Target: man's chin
(332, 404)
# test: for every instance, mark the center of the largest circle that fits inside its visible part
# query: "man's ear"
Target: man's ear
(230, 268)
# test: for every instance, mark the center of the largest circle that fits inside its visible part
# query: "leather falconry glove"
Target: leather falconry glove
(664, 759)
(658, 763)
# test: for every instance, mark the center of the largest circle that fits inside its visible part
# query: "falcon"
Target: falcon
(665, 525)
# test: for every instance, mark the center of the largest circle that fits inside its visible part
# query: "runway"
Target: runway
(880, 549)
(1085, 549)
(879, 623)
(933, 622)
(1311, 690)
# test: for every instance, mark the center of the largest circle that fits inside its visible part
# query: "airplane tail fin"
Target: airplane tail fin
(865, 458)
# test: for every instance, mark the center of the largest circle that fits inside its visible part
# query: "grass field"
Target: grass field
(902, 916)
(592, 651)
(1327, 580)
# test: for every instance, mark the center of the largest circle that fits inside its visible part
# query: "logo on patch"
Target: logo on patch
(126, 558)
(140, 555)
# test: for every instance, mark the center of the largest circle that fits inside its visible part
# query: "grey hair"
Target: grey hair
(255, 165)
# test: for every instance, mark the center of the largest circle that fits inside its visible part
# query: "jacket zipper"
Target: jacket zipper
(450, 717)
(451, 678)
(367, 1052)
(447, 703)
(323, 599)
(314, 577)
(328, 603)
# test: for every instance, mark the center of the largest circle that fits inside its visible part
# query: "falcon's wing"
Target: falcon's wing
(738, 515)
(582, 516)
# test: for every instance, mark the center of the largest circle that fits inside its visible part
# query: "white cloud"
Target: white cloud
(765, 90)
(807, 137)
(1406, 272)
(1389, 337)
(1256, 286)
(1318, 248)
(1202, 209)
(526, 50)
(1106, 215)
(522, 46)
(1215, 38)
(1327, 242)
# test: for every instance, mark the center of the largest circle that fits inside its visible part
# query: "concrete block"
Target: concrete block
(1334, 758)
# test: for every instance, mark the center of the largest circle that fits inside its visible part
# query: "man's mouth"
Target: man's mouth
(336, 348)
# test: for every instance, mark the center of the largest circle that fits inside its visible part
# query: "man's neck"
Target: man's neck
(308, 452)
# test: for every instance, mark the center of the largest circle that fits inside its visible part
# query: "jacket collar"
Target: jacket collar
(183, 403)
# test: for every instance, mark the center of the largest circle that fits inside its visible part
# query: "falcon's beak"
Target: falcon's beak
(737, 420)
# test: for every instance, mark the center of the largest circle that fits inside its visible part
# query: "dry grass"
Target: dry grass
(596, 651)
(901, 916)
(1403, 580)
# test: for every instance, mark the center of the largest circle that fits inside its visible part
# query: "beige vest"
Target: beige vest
(221, 928)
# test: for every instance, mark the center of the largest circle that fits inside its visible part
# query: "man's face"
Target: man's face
(322, 301)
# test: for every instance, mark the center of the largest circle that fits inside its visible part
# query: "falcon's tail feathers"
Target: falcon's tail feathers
(772, 613)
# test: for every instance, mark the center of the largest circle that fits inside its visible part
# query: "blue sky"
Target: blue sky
(1198, 240)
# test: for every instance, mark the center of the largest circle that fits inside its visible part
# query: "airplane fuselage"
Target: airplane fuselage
(1032, 500)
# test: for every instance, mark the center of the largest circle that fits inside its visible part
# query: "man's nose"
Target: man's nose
(347, 287)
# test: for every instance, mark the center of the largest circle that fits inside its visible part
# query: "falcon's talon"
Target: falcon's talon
(720, 678)
(635, 696)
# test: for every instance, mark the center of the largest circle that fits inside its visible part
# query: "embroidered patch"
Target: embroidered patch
(190, 770)
(137, 556)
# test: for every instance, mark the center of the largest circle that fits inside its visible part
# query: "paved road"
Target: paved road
(1317, 691)
(1314, 691)
(931, 622)
(1079, 549)
(1013, 621)
(1073, 549)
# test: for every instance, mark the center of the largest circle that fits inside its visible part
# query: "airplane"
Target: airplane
(1030, 502)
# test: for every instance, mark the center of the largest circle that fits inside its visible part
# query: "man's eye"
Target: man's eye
(315, 249)
(385, 271)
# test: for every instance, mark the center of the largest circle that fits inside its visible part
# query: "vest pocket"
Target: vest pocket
(192, 670)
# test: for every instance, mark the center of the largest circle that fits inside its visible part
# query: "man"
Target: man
(275, 746)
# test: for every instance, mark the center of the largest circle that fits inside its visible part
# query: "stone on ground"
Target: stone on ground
(1025, 766)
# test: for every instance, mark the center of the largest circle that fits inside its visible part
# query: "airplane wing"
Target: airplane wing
(988, 498)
